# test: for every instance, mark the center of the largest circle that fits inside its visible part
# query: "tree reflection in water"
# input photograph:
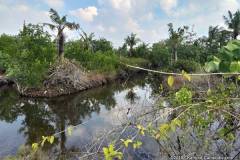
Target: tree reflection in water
(43, 117)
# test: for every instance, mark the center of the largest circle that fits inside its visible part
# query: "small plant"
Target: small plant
(183, 96)
(110, 153)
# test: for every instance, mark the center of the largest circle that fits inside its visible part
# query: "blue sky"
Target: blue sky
(115, 19)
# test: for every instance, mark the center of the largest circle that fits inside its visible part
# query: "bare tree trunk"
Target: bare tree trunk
(61, 40)
(175, 55)
(130, 52)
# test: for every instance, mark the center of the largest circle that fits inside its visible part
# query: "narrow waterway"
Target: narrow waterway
(24, 121)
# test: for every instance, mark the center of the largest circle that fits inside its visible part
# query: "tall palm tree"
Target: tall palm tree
(87, 40)
(59, 24)
(131, 41)
(233, 22)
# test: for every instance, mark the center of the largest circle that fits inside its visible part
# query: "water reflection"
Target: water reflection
(34, 118)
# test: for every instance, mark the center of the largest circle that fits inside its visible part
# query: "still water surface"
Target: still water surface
(24, 121)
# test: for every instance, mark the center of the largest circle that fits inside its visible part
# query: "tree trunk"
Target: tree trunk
(175, 56)
(130, 52)
(235, 34)
(61, 40)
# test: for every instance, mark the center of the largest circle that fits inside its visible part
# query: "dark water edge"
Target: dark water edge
(24, 121)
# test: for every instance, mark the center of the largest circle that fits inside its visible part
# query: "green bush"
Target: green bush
(228, 59)
(99, 61)
(27, 56)
(159, 56)
(186, 65)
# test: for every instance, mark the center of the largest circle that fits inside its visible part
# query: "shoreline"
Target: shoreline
(93, 81)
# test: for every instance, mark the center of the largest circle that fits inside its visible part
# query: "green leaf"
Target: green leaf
(212, 66)
(231, 46)
(137, 144)
(235, 66)
(170, 81)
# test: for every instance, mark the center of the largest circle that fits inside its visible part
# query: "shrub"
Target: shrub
(159, 56)
(186, 65)
(228, 59)
(31, 56)
(99, 61)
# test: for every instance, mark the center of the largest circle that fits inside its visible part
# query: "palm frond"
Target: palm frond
(226, 20)
(55, 16)
(230, 15)
(51, 26)
(64, 19)
(72, 26)
(91, 36)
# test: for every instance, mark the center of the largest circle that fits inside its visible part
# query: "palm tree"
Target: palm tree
(175, 39)
(131, 41)
(233, 22)
(59, 24)
(87, 40)
(217, 38)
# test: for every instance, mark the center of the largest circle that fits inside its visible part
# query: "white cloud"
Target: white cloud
(18, 13)
(147, 17)
(55, 3)
(117, 18)
(112, 29)
(225, 5)
(87, 14)
(123, 5)
(168, 5)
(133, 26)
(100, 28)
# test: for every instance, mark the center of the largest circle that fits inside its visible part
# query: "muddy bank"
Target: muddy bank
(68, 78)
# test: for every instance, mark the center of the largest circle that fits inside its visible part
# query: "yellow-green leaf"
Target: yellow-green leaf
(35, 146)
(186, 76)
(161, 87)
(105, 150)
(141, 129)
(43, 140)
(126, 142)
(69, 130)
(170, 81)
(209, 91)
(50, 139)
(111, 148)
(238, 77)
(176, 122)
(137, 145)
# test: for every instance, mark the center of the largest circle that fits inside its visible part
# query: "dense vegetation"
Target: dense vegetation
(28, 55)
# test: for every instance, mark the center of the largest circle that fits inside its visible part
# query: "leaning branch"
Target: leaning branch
(178, 74)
